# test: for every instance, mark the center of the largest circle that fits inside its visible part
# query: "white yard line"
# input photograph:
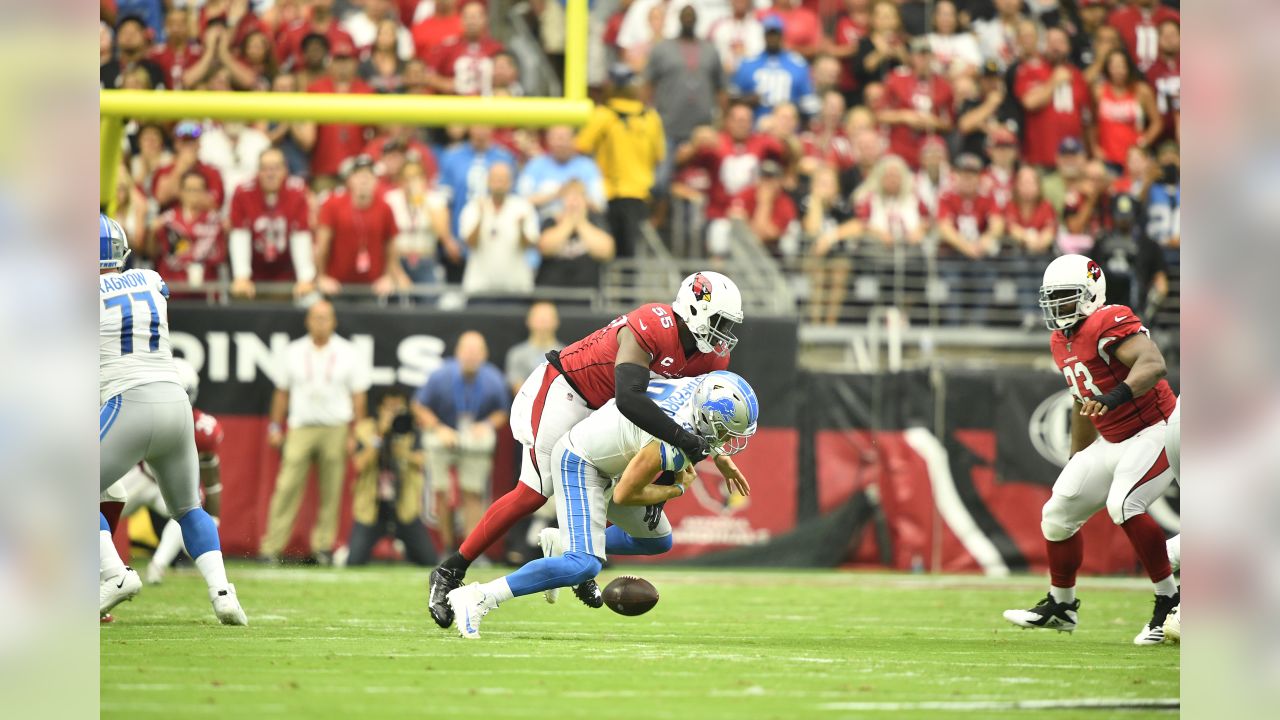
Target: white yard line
(993, 705)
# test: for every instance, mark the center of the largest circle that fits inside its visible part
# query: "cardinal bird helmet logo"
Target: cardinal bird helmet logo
(701, 288)
(1093, 270)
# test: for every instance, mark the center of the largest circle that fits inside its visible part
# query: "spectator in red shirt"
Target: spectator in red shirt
(166, 181)
(256, 53)
(732, 157)
(218, 60)
(1032, 222)
(1054, 96)
(463, 65)
(824, 142)
(335, 143)
(766, 208)
(355, 231)
(969, 222)
(802, 32)
(405, 139)
(320, 20)
(1165, 76)
(916, 104)
(178, 52)
(934, 177)
(1138, 22)
(997, 179)
(188, 234)
(1084, 209)
(432, 33)
(270, 231)
(1127, 114)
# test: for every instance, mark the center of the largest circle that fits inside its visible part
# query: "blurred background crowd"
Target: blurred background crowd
(932, 156)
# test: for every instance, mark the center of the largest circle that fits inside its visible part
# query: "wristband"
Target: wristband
(679, 487)
(1118, 396)
(273, 427)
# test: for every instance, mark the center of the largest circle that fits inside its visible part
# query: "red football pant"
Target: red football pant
(1148, 541)
(501, 516)
(1065, 558)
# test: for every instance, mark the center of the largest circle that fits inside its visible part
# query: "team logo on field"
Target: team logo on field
(712, 493)
(701, 288)
(1093, 270)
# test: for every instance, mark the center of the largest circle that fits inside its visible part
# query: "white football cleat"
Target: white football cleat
(1173, 626)
(1048, 614)
(469, 604)
(1153, 632)
(227, 607)
(115, 590)
(549, 539)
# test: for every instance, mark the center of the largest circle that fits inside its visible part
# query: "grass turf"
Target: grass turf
(720, 644)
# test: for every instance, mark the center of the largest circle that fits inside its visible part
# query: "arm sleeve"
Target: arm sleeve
(630, 383)
(241, 251)
(302, 250)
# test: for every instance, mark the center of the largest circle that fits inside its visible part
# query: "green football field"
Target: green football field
(720, 644)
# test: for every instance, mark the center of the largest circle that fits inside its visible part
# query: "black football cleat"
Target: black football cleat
(1048, 614)
(590, 595)
(1153, 632)
(443, 581)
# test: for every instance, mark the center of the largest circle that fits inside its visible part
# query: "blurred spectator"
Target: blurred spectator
(955, 51)
(802, 32)
(256, 54)
(432, 32)
(186, 241)
(996, 35)
(1054, 96)
(335, 143)
(498, 227)
(826, 72)
(1085, 207)
(1032, 222)
(315, 61)
(1068, 168)
(887, 205)
(355, 233)
(868, 149)
(738, 36)
(149, 12)
(322, 385)
(934, 177)
(463, 64)
(1027, 48)
(850, 28)
(824, 142)
(543, 176)
(233, 147)
(422, 218)
(131, 209)
(151, 154)
(461, 409)
(881, 50)
(464, 169)
(386, 500)
(774, 76)
(1135, 266)
(1093, 17)
(236, 15)
(1165, 75)
(217, 57)
(383, 65)
(627, 140)
(1126, 108)
(572, 245)
(1106, 39)
(731, 159)
(270, 236)
(186, 156)
(178, 52)
(413, 79)
(686, 82)
(831, 227)
(542, 320)
(132, 48)
(401, 140)
(373, 18)
(980, 108)
(969, 223)
(319, 21)
(997, 178)
(784, 125)
(506, 75)
(1137, 22)
(1139, 173)
(638, 48)
(916, 104)
(1164, 200)
(765, 207)
(106, 43)
(292, 138)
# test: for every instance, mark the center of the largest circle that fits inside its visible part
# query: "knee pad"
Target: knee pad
(654, 545)
(1054, 526)
(583, 566)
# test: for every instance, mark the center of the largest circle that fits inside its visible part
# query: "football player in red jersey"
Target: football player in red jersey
(1116, 374)
(691, 336)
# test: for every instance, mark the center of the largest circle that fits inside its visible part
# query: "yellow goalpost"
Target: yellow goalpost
(116, 106)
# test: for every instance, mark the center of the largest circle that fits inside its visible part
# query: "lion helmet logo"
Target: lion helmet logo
(701, 288)
(1093, 270)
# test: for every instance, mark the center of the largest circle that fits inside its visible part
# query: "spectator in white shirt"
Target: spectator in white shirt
(233, 148)
(738, 36)
(422, 217)
(954, 50)
(498, 229)
(996, 36)
(322, 385)
(362, 25)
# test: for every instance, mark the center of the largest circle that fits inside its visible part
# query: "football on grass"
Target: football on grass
(630, 595)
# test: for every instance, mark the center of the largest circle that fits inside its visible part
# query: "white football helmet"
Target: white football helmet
(1073, 289)
(725, 411)
(711, 306)
(189, 377)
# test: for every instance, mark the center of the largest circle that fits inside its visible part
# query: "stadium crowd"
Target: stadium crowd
(982, 133)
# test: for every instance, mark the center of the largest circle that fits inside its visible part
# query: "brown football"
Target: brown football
(630, 595)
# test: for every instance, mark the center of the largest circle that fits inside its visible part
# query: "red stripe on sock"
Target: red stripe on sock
(1065, 558)
(501, 516)
(1147, 540)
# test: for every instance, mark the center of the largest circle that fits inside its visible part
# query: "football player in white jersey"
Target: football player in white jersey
(145, 415)
(604, 470)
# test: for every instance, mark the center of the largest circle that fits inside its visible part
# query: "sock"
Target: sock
(498, 589)
(1174, 549)
(111, 510)
(1065, 557)
(170, 544)
(545, 573)
(1167, 587)
(1147, 540)
(109, 563)
(1063, 595)
(211, 568)
(456, 563)
(501, 516)
(618, 542)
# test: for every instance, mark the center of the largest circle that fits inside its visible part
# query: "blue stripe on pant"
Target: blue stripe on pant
(577, 504)
(107, 415)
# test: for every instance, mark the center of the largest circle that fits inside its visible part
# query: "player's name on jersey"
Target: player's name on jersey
(121, 281)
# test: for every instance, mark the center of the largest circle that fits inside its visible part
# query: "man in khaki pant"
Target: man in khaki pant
(323, 385)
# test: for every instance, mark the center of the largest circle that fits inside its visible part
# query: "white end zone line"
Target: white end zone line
(995, 705)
